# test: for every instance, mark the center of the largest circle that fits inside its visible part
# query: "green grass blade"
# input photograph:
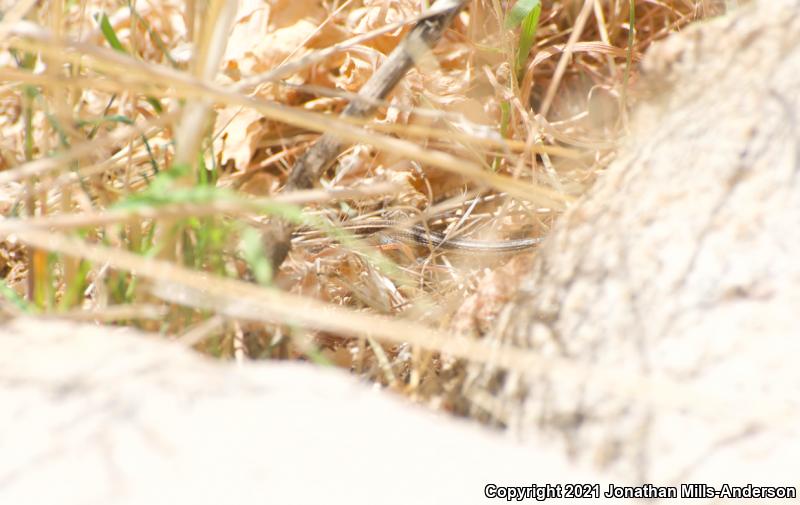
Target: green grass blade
(527, 37)
(251, 247)
(112, 39)
(524, 13)
(16, 300)
(521, 10)
(108, 32)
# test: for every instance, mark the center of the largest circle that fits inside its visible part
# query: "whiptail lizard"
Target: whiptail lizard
(421, 235)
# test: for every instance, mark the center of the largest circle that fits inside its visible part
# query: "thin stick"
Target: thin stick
(419, 40)
(308, 169)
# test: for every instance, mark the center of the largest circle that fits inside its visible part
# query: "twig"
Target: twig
(308, 169)
(419, 40)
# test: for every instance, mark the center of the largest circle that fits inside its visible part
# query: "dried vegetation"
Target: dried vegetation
(144, 144)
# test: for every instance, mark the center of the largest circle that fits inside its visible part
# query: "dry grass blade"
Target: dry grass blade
(580, 22)
(14, 14)
(195, 116)
(178, 210)
(125, 312)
